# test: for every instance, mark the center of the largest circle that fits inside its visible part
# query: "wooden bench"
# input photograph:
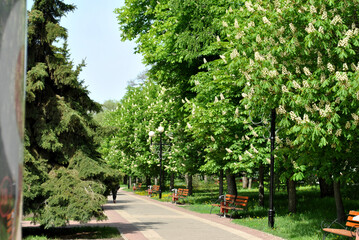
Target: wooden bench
(181, 193)
(137, 186)
(155, 189)
(349, 230)
(231, 204)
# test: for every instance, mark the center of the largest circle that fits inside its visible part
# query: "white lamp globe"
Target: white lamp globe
(151, 134)
(160, 129)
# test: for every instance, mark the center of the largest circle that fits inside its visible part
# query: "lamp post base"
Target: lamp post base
(271, 214)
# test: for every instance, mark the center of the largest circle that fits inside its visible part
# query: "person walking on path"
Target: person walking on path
(114, 189)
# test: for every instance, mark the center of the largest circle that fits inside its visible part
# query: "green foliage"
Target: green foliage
(64, 176)
(229, 64)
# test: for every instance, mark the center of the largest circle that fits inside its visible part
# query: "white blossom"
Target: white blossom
(338, 133)
(284, 88)
(249, 6)
(218, 39)
(221, 96)
(213, 139)
(204, 60)
(330, 67)
(229, 150)
(292, 27)
(236, 112)
(266, 21)
(234, 53)
(251, 24)
(324, 15)
(281, 109)
(307, 71)
(239, 35)
(347, 125)
(336, 19)
(296, 85)
(319, 59)
(341, 76)
(310, 28)
(236, 25)
(249, 154)
(223, 58)
(254, 149)
(313, 9)
(343, 42)
(225, 24)
(258, 38)
(258, 57)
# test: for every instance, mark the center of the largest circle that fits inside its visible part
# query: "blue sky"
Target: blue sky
(94, 35)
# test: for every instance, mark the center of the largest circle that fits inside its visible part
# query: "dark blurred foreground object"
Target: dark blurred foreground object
(12, 67)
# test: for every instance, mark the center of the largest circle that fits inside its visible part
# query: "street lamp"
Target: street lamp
(151, 134)
(271, 211)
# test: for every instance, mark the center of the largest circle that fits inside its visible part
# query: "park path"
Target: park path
(142, 218)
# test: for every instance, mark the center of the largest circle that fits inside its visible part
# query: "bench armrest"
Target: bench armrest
(337, 222)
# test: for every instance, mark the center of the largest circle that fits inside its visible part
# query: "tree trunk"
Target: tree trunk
(250, 183)
(189, 184)
(292, 196)
(156, 181)
(326, 189)
(339, 202)
(172, 181)
(231, 183)
(125, 179)
(129, 182)
(261, 186)
(244, 181)
(220, 182)
(148, 181)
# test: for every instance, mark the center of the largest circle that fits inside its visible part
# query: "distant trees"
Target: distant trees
(64, 174)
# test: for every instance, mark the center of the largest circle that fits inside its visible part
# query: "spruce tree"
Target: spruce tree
(64, 176)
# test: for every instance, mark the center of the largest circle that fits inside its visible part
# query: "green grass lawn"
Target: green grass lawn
(35, 233)
(303, 225)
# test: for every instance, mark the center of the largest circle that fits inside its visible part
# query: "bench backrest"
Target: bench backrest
(182, 192)
(350, 221)
(155, 188)
(230, 198)
(185, 192)
(139, 185)
(239, 200)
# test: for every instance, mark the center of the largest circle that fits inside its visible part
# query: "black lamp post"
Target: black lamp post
(151, 134)
(271, 212)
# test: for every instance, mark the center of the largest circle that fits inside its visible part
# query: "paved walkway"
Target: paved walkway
(140, 218)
